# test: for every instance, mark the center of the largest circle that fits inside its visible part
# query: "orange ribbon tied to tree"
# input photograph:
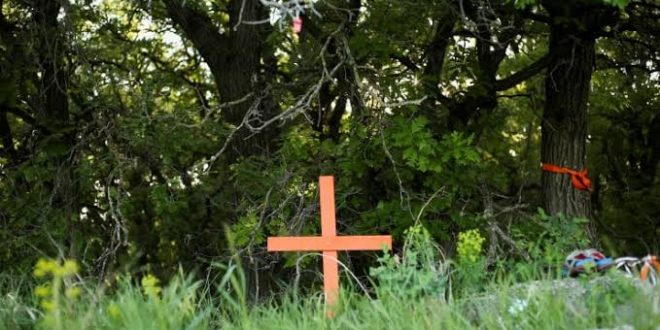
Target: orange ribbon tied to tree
(579, 179)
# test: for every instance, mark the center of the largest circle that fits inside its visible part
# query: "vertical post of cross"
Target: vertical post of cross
(329, 229)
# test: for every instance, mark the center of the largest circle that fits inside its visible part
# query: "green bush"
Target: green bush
(417, 273)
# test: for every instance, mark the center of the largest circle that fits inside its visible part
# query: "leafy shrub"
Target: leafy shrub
(417, 273)
(558, 236)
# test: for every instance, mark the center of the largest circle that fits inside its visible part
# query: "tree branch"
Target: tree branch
(199, 28)
(165, 67)
(405, 61)
(604, 62)
(523, 74)
(21, 114)
(7, 137)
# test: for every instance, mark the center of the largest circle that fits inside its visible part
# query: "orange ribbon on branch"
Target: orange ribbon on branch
(579, 179)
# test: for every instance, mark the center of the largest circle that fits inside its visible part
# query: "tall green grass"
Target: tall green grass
(417, 290)
(606, 303)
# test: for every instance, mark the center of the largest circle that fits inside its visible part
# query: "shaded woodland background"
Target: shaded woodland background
(139, 136)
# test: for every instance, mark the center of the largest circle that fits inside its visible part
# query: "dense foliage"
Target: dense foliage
(143, 136)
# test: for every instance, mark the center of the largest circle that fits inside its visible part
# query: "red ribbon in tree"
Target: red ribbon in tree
(578, 178)
(297, 24)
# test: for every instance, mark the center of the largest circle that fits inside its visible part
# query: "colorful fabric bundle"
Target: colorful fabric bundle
(592, 260)
(586, 261)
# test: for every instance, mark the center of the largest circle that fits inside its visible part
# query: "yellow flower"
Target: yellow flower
(70, 267)
(39, 273)
(150, 285)
(114, 311)
(42, 290)
(44, 267)
(48, 305)
(72, 293)
(469, 246)
(58, 271)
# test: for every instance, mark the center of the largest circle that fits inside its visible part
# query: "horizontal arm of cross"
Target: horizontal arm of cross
(334, 243)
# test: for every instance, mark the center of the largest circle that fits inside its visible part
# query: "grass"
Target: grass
(601, 302)
(416, 291)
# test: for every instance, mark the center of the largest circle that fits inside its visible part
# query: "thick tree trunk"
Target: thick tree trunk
(564, 127)
(53, 105)
(573, 31)
(241, 75)
(234, 59)
(52, 112)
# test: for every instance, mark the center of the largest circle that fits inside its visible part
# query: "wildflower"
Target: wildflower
(44, 267)
(56, 287)
(150, 285)
(42, 291)
(114, 311)
(48, 305)
(469, 245)
(70, 267)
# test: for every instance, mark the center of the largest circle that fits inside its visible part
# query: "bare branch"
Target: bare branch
(523, 74)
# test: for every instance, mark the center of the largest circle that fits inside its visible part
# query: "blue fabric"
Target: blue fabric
(579, 265)
(602, 263)
(585, 262)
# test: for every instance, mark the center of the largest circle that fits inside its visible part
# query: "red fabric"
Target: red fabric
(297, 24)
(579, 179)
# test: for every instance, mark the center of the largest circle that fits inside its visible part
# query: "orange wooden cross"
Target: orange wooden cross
(329, 242)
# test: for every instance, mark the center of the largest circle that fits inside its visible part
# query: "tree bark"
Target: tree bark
(52, 112)
(564, 126)
(53, 105)
(234, 59)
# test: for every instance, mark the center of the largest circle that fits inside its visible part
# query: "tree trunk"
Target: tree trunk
(564, 126)
(52, 112)
(234, 59)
